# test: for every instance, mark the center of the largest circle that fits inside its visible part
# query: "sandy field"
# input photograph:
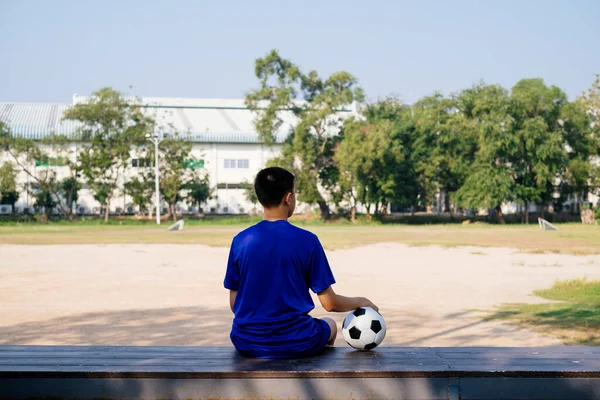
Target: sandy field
(173, 294)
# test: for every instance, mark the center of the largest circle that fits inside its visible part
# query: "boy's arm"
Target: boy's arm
(333, 302)
(232, 294)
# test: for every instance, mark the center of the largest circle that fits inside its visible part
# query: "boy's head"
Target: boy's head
(274, 188)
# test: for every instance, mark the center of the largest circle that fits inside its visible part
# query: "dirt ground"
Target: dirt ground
(173, 295)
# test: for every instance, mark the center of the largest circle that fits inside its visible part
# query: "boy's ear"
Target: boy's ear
(287, 198)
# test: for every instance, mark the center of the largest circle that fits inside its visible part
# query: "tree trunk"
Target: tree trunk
(446, 202)
(580, 203)
(353, 213)
(412, 211)
(499, 215)
(325, 212)
(526, 213)
(174, 212)
(107, 211)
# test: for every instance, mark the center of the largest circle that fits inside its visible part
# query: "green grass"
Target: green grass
(570, 239)
(574, 316)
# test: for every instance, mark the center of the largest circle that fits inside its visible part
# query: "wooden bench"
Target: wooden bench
(97, 372)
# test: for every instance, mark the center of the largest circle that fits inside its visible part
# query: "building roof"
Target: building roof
(205, 120)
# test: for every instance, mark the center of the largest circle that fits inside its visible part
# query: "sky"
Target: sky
(50, 50)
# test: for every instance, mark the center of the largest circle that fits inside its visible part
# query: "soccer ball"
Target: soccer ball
(364, 328)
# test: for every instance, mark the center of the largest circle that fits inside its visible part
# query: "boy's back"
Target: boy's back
(272, 265)
(271, 268)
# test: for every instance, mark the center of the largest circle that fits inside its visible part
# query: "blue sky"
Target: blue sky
(52, 49)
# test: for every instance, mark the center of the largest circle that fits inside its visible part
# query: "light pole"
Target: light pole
(156, 138)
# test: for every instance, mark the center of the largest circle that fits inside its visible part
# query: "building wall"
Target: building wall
(225, 163)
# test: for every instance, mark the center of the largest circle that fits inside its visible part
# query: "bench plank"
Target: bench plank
(395, 373)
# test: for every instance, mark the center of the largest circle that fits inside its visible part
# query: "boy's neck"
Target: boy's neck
(275, 214)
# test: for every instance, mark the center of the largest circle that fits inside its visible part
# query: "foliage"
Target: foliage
(198, 190)
(372, 157)
(177, 180)
(314, 103)
(27, 154)
(43, 197)
(9, 193)
(140, 189)
(111, 125)
(520, 147)
(250, 194)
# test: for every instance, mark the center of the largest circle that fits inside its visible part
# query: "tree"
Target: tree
(250, 194)
(538, 155)
(430, 114)
(520, 146)
(69, 190)
(178, 178)
(43, 196)
(489, 180)
(581, 174)
(198, 190)
(445, 144)
(591, 100)
(372, 158)
(314, 102)
(403, 187)
(38, 160)
(9, 193)
(173, 172)
(140, 190)
(111, 125)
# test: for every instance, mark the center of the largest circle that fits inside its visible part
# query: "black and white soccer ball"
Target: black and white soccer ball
(364, 328)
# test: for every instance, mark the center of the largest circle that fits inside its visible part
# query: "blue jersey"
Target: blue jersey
(272, 265)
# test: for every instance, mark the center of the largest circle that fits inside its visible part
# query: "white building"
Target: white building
(222, 130)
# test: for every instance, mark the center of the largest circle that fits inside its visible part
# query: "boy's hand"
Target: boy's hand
(369, 303)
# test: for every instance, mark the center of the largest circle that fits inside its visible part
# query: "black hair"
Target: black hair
(272, 184)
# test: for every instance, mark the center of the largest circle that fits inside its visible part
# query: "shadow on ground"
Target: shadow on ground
(200, 326)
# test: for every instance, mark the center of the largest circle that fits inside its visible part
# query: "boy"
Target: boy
(271, 267)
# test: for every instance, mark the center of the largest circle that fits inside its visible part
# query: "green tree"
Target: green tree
(538, 156)
(140, 189)
(43, 198)
(250, 194)
(111, 125)
(591, 100)
(520, 145)
(39, 160)
(314, 102)
(430, 115)
(173, 172)
(9, 193)
(399, 182)
(581, 174)
(198, 190)
(69, 190)
(489, 180)
(178, 178)
(445, 144)
(372, 158)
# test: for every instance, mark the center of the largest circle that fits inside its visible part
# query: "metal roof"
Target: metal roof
(204, 120)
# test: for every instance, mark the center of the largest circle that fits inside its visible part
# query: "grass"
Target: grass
(570, 239)
(573, 317)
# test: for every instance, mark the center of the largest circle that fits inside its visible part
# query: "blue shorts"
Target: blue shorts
(322, 334)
